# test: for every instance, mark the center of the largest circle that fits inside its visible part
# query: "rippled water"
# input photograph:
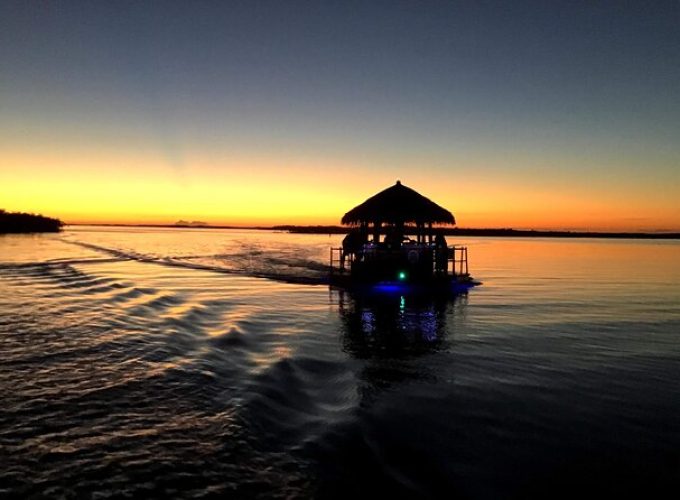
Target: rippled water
(204, 363)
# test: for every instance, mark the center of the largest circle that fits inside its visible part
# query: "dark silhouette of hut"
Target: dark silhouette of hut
(395, 207)
(399, 212)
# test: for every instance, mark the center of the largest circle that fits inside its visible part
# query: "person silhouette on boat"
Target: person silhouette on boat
(352, 244)
(394, 238)
(440, 240)
(441, 252)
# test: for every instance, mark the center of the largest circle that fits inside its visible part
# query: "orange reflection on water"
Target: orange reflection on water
(561, 257)
(574, 277)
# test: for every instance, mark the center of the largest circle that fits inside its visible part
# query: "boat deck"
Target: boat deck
(412, 264)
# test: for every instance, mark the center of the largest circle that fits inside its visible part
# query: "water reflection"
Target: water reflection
(394, 325)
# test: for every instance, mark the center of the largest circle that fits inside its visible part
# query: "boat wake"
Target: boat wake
(290, 265)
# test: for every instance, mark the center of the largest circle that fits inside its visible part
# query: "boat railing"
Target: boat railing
(454, 262)
(458, 259)
(340, 262)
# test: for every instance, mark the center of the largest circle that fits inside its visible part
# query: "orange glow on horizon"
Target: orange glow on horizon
(248, 190)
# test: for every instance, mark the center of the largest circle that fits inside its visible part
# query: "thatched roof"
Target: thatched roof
(398, 204)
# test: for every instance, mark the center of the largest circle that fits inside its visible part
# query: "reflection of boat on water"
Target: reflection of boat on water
(394, 245)
(386, 324)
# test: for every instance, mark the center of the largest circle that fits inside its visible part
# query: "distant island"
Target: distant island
(193, 223)
(20, 222)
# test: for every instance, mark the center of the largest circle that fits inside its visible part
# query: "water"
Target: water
(192, 363)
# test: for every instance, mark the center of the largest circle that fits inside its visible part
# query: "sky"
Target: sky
(545, 115)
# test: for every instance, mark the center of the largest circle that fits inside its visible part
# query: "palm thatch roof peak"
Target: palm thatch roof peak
(398, 204)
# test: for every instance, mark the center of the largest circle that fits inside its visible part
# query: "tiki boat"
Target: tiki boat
(396, 242)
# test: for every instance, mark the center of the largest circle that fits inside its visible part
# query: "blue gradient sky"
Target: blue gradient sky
(524, 114)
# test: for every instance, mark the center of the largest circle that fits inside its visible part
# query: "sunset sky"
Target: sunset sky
(510, 114)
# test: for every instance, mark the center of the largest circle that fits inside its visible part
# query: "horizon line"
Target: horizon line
(333, 228)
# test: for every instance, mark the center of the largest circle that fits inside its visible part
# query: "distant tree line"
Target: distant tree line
(20, 222)
(494, 232)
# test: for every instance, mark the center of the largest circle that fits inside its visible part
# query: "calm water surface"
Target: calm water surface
(206, 363)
